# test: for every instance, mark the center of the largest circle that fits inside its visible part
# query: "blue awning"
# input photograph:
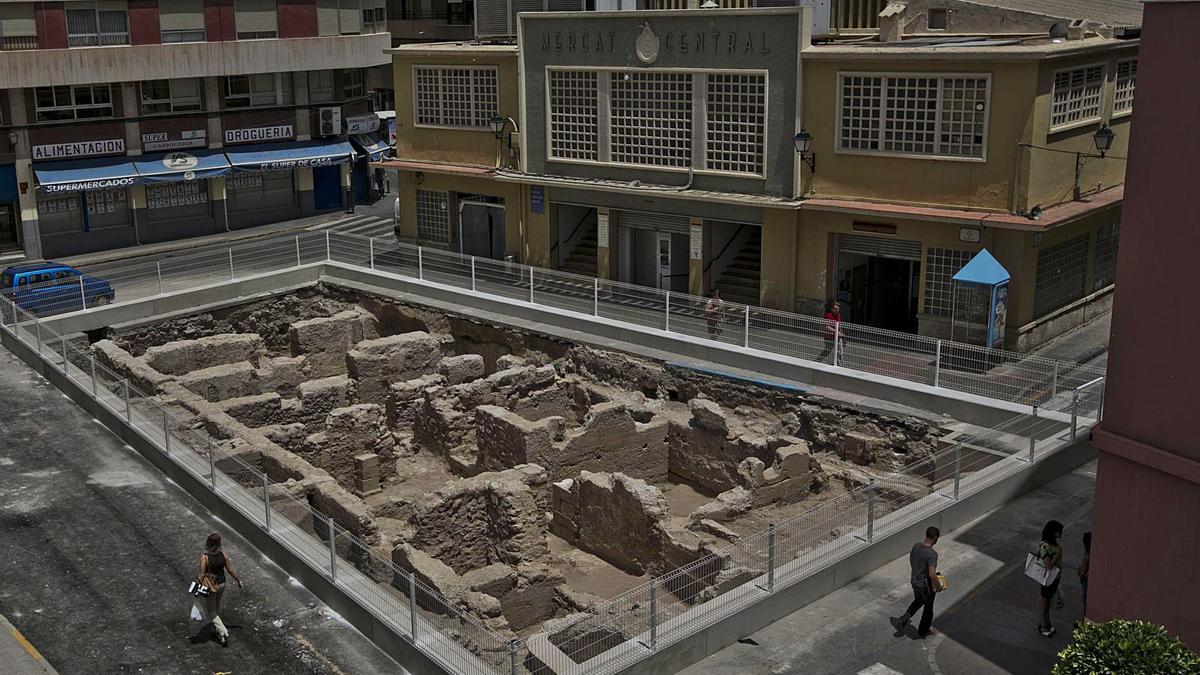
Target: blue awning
(287, 156)
(8, 183)
(100, 173)
(983, 270)
(371, 145)
(182, 165)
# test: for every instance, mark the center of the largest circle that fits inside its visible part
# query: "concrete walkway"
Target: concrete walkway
(1087, 344)
(988, 618)
(18, 655)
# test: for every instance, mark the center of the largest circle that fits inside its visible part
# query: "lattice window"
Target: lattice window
(573, 115)
(433, 220)
(651, 118)
(1076, 96)
(914, 115)
(1126, 81)
(862, 107)
(941, 264)
(1060, 275)
(736, 124)
(449, 96)
(1104, 273)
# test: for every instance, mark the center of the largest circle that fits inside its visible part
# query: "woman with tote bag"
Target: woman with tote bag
(1049, 557)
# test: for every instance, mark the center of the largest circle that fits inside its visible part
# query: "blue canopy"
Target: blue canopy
(371, 145)
(983, 270)
(181, 165)
(99, 173)
(287, 156)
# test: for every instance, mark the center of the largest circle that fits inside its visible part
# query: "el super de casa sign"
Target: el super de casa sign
(648, 44)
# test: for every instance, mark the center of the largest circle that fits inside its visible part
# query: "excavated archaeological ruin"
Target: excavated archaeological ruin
(523, 477)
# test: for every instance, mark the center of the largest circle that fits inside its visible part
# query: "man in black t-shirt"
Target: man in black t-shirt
(923, 560)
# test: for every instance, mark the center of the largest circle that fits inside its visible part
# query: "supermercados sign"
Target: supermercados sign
(98, 184)
(112, 146)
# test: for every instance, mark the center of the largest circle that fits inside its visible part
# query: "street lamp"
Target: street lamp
(803, 142)
(1103, 140)
(497, 125)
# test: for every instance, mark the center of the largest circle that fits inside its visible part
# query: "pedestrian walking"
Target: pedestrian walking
(1049, 552)
(214, 565)
(713, 309)
(833, 320)
(923, 561)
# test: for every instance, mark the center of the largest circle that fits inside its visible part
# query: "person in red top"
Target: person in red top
(833, 316)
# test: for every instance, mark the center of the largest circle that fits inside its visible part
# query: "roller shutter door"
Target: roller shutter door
(879, 246)
(660, 222)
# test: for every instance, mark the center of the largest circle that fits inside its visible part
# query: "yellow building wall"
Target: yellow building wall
(958, 183)
(477, 147)
(780, 237)
(1048, 173)
(515, 198)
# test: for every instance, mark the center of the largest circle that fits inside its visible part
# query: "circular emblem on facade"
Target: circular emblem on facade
(647, 45)
(180, 161)
(189, 175)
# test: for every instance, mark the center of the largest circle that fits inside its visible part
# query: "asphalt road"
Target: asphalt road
(96, 548)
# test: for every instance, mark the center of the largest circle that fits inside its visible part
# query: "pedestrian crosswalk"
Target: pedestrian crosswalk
(364, 225)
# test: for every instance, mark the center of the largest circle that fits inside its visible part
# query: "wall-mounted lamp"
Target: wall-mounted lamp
(13, 137)
(497, 124)
(803, 142)
(1103, 140)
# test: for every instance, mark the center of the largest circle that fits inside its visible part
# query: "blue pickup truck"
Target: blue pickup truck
(51, 288)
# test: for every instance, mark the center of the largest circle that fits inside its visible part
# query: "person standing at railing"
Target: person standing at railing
(923, 561)
(215, 563)
(833, 320)
(713, 311)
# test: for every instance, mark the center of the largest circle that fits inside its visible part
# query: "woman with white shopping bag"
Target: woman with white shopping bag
(209, 587)
(1045, 567)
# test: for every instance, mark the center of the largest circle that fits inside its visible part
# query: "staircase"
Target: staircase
(582, 259)
(740, 281)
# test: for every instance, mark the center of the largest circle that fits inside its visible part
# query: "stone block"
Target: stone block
(506, 439)
(863, 449)
(185, 356)
(508, 361)
(221, 382)
(620, 520)
(435, 574)
(716, 529)
(366, 475)
(376, 364)
(325, 340)
(259, 410)
(727, 506)
(319, 397)
(459, 369)
(349, 433)
(121, 362)
(564, 510)
(282, 375)
(495, 580)
(708, 415)
(533, 599)
(405, 400)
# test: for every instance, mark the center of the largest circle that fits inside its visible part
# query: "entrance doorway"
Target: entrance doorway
(10, 228)
(878, 281)
(327, 187)
(653, 250)
(481, 227)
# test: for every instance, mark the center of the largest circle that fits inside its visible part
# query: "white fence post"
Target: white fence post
(667, 313)
(212, 468)
(297, 250)
(596, 296)
(82, 292)
(94, 378)
(771, 557)
(166, 433)
(1074, 412)
(871, 490)
(937, 364)
(957, 467)
(1054, 381)
(420, 264)
(746, 336)
(472, 274)
(158, 267)
(328, 250)
(412, 606)
(267, 502)
(1033, 433)
(653, 614)
(837, 340)
(128, 407)
(531, 284)
(332, 549)
(38, 328)
(371, 243)
(63, 340)
(231, 276)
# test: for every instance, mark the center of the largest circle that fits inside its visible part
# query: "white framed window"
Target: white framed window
(18, 26)
(101, 23)
(256, 19)
(1076, 97)
(163, 96)
(354, 83)
(574, 126)
(181, 20)
(939, 115)
(433, 218)
(257, 91)
(651, 118)
(1125, 84)
(455, 96)
(320, 86)
(735, 122)
(73, 102)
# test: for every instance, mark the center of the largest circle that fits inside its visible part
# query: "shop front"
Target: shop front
(278, 181)
(84, 205)
(10, 209)
(182, 194)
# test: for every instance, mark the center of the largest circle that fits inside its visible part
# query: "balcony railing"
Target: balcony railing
(11, 43)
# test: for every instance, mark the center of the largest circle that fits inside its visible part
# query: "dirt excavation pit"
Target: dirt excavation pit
(522, 477)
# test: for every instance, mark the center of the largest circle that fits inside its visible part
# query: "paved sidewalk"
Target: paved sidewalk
(1087, 344)
(988, 618)
(18, 655)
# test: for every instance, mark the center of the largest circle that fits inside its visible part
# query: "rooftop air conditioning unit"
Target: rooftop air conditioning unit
(329, 121)
(498, 18)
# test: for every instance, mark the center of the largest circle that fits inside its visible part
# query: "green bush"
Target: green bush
(1126, 648)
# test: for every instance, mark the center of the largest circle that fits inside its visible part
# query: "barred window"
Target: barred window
(914, 115)
(736, 122)
(1105, 271)
(651, 118)
(1076, 96)
(1126, 80)
(573, 115)
(1060, 275)
(451, 96)
(433, 221)
(941, 264)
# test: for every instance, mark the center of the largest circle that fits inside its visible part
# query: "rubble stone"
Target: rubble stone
(320, 397)
(326, 340)
(222, 382)
(185, 356)
(459, 369)
(376, 364)
(506, 440)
